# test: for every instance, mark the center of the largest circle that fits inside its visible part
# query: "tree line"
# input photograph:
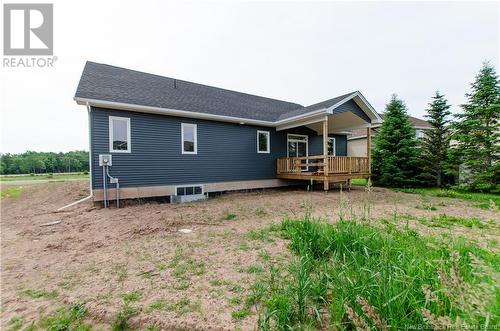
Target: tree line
(44, 162)
(459, 150)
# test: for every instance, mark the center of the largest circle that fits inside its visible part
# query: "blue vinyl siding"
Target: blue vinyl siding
(316, 144)
(226, 151)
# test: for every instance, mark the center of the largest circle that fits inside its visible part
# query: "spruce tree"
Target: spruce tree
(394, 154)
(436, 142)
(478, 134)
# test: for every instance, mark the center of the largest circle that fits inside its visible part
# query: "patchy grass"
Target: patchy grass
(359, 182)
(426, 207)
(184, 306)
(260, 212)
(131, 296)
(11, 192)
(481, 200)
(185, 266)
(228, 216)
(50, 177)
(15, 323)
(262, 234)
(358, 273)
(35, 294)
(446, 221)
(66, 318)
(157, 305)
(240, 314)
(253, 269)
(122, 318)
(120, 271)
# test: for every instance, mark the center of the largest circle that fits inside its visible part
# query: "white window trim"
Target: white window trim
(195, 134)
(334, 147)
(190, 185)
(268, 141)
(129, 145)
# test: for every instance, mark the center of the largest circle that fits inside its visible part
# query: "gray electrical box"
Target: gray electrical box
(105, 160)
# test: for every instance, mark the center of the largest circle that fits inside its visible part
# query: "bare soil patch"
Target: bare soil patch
(136, 255)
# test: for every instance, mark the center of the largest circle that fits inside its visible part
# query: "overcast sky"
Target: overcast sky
(294, 51)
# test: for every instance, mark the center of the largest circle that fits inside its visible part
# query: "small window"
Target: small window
(119, 134)
(263, 143)
(420, 134)
(189, 190)
(189, 138)
(331, 146)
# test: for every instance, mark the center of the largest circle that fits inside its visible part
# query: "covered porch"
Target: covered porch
(335, 118)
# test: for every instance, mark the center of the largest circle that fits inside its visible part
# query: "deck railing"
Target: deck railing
(316, 164)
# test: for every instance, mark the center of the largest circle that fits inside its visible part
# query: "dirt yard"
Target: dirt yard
(135, 256)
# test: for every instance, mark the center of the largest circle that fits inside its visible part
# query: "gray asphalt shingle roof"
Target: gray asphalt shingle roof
(316, 106)
(109, 83)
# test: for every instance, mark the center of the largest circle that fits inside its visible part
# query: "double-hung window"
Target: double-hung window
(189, 138)
(119, 134)
(263, 142)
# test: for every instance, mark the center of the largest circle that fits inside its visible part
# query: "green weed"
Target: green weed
(131, 296)
(228, 216)
(15, 323)
(66, 318)
(122, 318)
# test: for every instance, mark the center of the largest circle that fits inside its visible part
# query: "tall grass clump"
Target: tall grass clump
(352, 275)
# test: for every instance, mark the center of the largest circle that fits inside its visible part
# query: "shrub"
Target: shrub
(364, 275)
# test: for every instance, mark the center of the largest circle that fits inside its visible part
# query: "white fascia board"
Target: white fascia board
(297, 123)
(171, 112)
(301, 116)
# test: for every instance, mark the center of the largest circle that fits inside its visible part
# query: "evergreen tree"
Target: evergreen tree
(478, 134)
(394, 159)
(436, 142)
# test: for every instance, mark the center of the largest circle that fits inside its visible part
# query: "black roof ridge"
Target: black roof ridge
(190, 82)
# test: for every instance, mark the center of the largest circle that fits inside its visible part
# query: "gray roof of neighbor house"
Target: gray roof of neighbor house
(113, 84)
(416, 122)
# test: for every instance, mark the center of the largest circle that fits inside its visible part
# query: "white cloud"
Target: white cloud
(295, 51)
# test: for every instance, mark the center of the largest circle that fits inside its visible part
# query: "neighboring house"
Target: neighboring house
(356, 141)
(171, 137)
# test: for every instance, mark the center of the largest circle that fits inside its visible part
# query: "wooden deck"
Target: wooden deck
(326, 169)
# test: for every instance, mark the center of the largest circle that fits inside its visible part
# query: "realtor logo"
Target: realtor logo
(28, 29)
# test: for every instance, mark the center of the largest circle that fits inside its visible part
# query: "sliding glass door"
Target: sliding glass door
(297, 147)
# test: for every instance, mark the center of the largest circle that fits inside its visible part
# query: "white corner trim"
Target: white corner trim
(268, 135)
(195, 134)
(129, 143)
